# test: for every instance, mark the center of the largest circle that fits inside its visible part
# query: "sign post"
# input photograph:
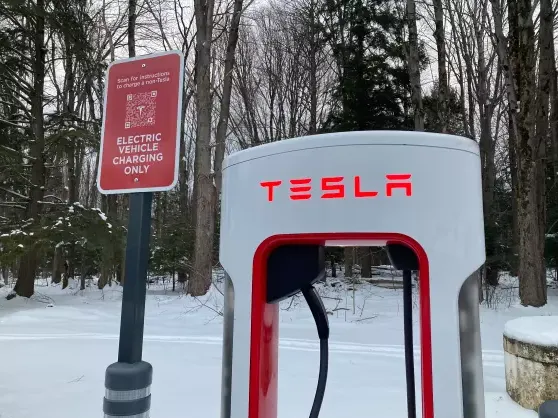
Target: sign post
(140, 147)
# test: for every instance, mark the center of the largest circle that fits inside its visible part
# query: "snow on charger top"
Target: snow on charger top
(395, 138)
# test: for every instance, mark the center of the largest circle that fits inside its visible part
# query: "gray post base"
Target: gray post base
(128, 390)
(549, 409)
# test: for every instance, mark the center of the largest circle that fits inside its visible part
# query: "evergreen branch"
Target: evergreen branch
(5, 12)
(14, 103)
(42, 202)
(18, 79)
(22, 56)
(51, 196)
(8, 123)
(15, 193)
(16, 93)
(10, 151)
(12, 205)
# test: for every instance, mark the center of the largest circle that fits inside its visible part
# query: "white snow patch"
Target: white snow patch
(538, 330)
(366, 368)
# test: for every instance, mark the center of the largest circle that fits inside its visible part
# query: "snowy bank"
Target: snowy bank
(531, 359)
(538, 330)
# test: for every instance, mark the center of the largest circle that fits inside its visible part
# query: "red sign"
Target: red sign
(334, 187)
(140, 142)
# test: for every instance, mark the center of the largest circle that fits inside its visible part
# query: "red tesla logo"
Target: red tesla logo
(334, 187)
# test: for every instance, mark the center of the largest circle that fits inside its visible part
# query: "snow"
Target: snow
(537, 330)
(103, 216)
(56, 347)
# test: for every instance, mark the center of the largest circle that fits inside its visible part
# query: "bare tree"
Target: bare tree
(30, 260)
(414, 66)
(224, 113)
(440, 36)
(204, 194)
(532, 285)
(283, 74)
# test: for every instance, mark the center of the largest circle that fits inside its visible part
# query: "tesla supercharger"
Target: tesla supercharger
(421, 191)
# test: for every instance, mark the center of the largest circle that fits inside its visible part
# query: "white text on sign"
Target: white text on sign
(137, 152)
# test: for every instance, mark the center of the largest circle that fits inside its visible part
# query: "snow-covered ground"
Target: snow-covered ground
(55, 349)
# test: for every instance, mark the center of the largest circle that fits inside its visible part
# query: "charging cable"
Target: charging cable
(408, 337)
(319, 313)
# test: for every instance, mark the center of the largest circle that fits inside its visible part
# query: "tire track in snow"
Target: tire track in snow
(491, 358)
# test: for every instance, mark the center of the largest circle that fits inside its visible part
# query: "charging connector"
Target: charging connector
(319, 313)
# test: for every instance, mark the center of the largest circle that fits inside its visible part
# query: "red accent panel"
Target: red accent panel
(264, 338)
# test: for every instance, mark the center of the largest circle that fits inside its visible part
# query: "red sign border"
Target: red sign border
(178, 125)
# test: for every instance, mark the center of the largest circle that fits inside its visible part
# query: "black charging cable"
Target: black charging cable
(319, 313)
(408, 337)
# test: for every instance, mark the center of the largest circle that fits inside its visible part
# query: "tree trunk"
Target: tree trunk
(513, 92)
(349, 261)
(57, 265)
(132, 16)
(70, 98)
(221, 135)
(487, 153)
(546, 72)
(200, 279)
(313, 76)
(440, 36)
(554, 119)
(532, 276)
(65, 275)
(414, 66)
(25, 283)
(460, 73)
(4, 271)
(82, 276)
(508, 58)
(365, 260)
(512, 155)
(106, 266)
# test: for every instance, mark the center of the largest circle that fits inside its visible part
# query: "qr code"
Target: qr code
(140, 109)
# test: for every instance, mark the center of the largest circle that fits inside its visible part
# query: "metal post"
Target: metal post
(408, 338)
(128, 390)
(128, 382)
(135, 277)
